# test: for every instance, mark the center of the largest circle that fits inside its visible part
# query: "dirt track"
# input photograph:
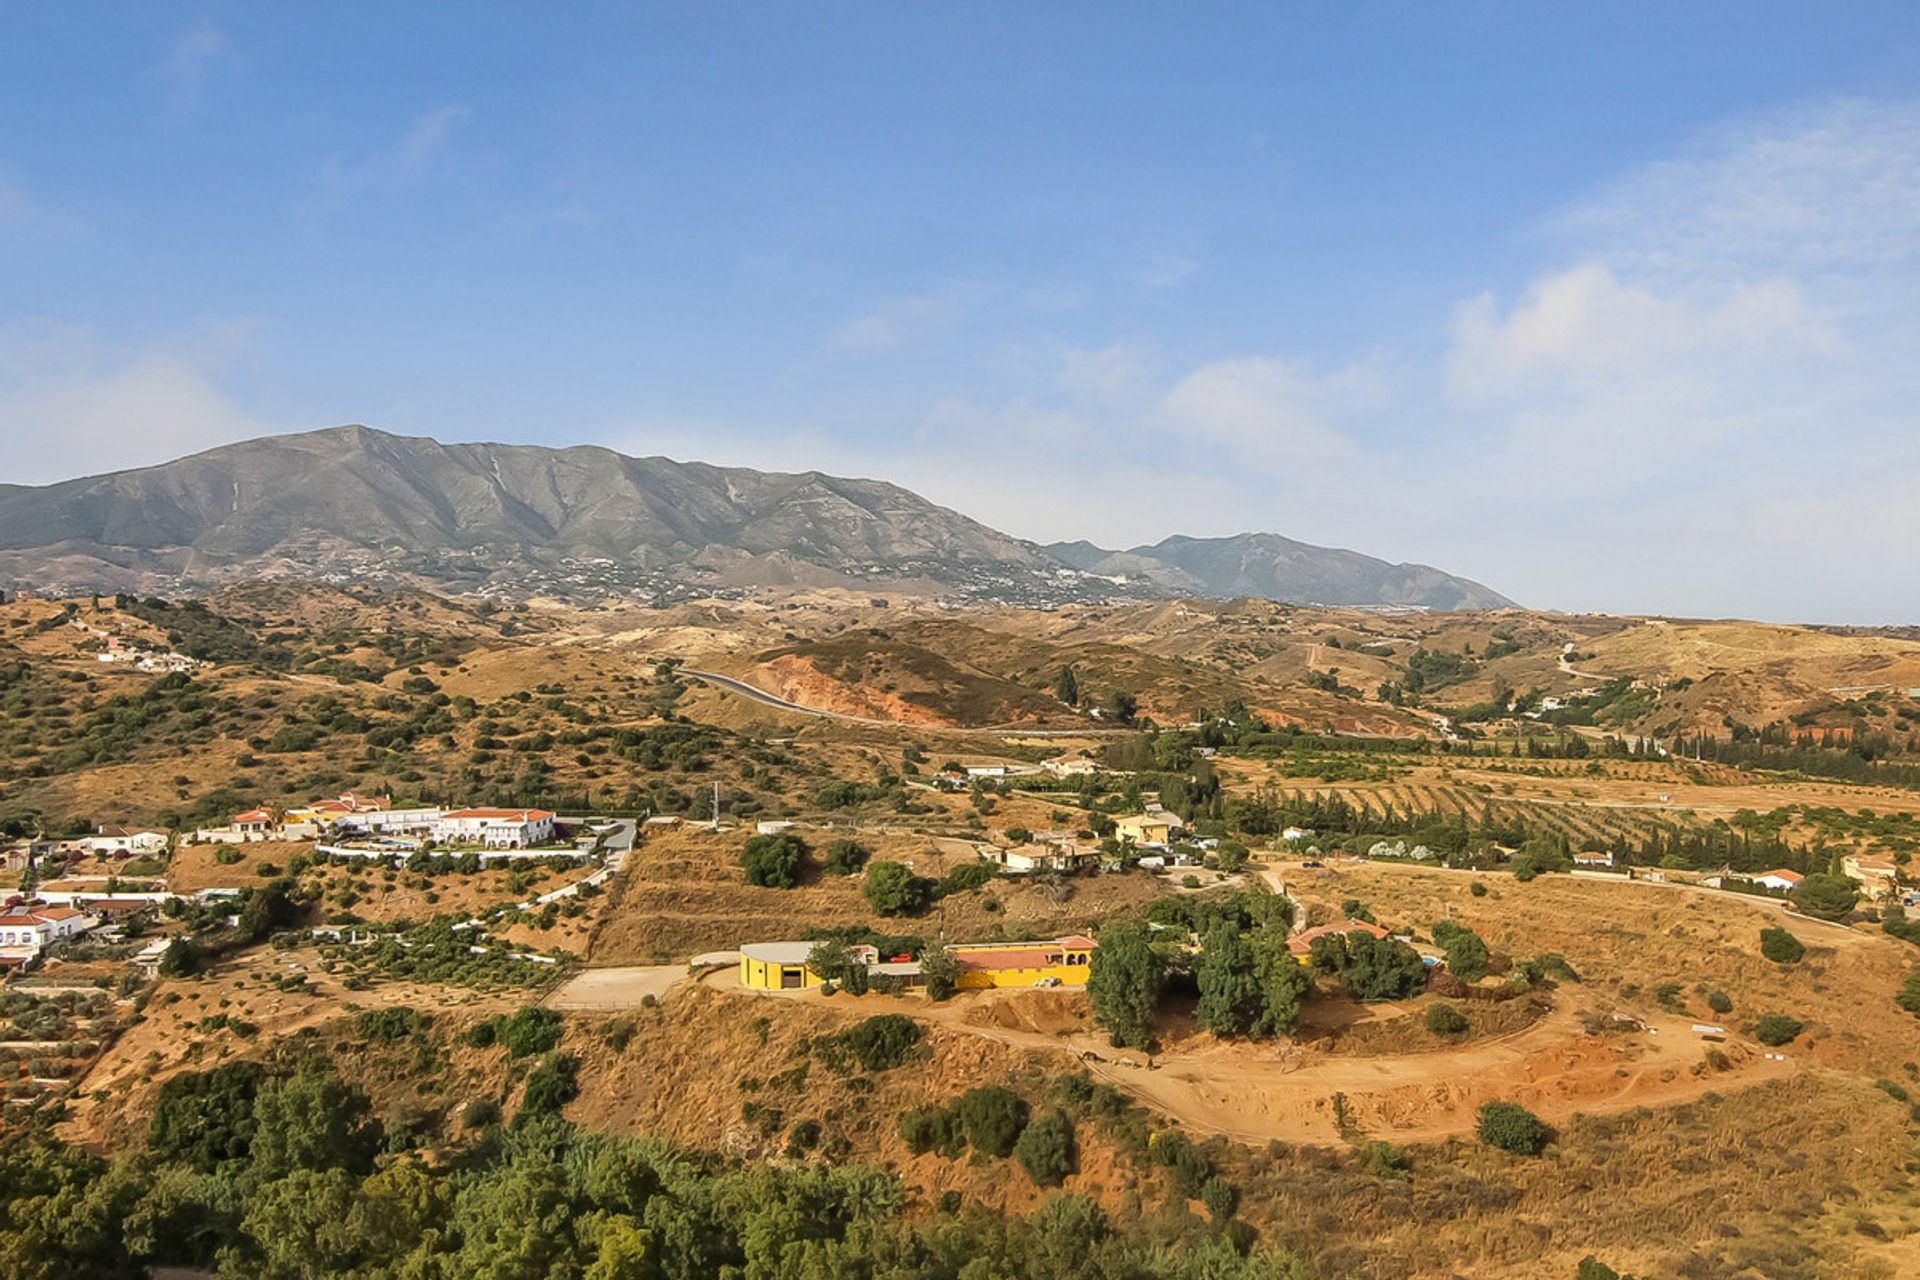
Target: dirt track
(1258, 1093)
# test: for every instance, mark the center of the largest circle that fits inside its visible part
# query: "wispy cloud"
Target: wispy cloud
(407, 158)
(188, 63)
(898, 321)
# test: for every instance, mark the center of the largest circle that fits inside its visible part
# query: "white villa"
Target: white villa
(27, 931)
(496, 828)
(126, 841)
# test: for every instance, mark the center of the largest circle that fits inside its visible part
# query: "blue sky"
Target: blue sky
(1610, 306)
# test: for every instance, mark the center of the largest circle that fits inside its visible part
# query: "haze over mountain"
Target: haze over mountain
(351, 503)
(1272, 567)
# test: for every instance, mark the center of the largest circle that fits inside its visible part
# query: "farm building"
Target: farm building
(1063, 961)
(782, 966)
(1779, 878)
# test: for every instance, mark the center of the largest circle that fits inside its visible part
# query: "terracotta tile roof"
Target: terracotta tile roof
(1301, 943)
(516, 815)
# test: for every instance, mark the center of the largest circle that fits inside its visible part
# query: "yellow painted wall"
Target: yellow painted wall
(760, 975)
(1142, 829)
(1073, 975)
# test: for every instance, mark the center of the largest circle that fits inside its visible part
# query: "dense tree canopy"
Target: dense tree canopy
(1124, 983)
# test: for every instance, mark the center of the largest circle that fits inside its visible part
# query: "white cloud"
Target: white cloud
(1280, 411)
(74, 406)
(188, 63)
(1585, 328)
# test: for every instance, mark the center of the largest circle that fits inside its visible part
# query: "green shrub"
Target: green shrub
(389, 1026)
(1220, 1199)
(1909, 997)
(528, 1031)
(1780, 946)
(1445, 1020)
(1776, 1028)
(844, 857)
(1719, 1002)
(1384, 1160)
(893, 890)
(1511, 1127)
(1045, 1148)
(993, 1118)
(551, 1086)
(926, 1129)
(480, 1113)
(773, 862)
(1477, 889)
(802, 1138)
(880, 1043)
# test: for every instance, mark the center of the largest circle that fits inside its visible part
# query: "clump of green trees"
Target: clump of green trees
(774, 862)
(289, 1171)
(1370, 968)
(1467, 955)
(1250, 983)
(1825, 897)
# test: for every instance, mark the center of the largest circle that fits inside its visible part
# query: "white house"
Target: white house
(393, 822)
(27, 931)
(125, 841)
(1039, 857)
(1293, 835)
(1072, 768)
(496, 828)
(1593, 858)
(1780, 878)
(1878, 876)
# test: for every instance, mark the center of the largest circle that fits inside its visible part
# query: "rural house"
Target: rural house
(496, 828)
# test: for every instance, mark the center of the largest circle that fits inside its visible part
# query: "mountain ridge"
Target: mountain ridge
(350, 502)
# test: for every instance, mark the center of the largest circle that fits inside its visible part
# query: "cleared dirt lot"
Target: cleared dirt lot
(617, 988)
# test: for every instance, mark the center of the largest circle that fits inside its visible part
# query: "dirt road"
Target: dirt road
(1288, 1091)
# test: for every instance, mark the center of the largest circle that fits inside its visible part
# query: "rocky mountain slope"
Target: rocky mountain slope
(1266, 565)
(355, 505)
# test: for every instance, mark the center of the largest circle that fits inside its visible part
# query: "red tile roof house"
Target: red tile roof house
(496, 828)
(27, 931)
(1780, 878)
(254, 821)
(1302, 943)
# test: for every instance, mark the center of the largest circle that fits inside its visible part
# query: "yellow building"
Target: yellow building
(1062, 962)
(777, 966)
(1156, 827)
